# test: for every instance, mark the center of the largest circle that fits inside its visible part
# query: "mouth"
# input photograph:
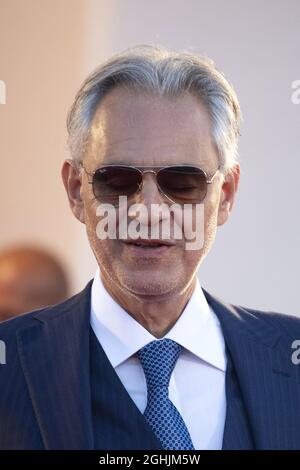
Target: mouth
(148, 247)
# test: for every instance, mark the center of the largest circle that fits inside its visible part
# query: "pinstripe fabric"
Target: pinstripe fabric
(50, 379)
(45, 399)
(237, 430)
(260, 347)
(120, 425)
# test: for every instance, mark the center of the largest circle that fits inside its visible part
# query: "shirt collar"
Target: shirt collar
(197, 329)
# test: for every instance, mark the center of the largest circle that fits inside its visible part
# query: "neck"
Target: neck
(156, 315)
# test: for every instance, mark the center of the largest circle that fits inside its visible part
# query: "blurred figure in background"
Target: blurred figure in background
(30, 278)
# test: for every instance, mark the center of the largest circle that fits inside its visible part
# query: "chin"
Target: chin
(150, 284)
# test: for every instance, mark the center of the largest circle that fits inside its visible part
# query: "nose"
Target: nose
(148, 195)
(149, 192)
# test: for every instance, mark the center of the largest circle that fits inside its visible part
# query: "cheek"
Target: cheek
(211, 207)
(211, 213)
(91, 222)
(106, 250)
(204, 236)
(200, 222)
(210, 228)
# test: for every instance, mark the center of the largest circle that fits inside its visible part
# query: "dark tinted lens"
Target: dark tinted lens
(183, 184)
(111, 182)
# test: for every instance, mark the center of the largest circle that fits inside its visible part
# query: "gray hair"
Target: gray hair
(165, 73)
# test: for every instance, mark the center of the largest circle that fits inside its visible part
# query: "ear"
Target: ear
(72, 181)
(228, 192)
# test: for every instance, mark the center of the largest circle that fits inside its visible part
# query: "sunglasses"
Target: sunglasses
(181, 184)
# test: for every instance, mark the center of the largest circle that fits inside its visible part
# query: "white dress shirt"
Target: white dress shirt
(197, 384)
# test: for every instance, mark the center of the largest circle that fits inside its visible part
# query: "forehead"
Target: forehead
(146, 129)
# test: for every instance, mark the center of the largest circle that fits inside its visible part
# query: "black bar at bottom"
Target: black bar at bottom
(138, 459)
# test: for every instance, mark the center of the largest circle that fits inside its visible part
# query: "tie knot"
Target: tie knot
(158, 359)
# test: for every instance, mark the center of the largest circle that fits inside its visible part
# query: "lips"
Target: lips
(149, 243)
(147, 248)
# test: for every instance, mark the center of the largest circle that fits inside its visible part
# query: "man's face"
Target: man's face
(147, 130)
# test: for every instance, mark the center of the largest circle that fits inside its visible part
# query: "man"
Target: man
(30, 278)
(143, 357)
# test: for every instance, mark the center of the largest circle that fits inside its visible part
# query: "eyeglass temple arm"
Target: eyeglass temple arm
(81, 165)
(209, 181)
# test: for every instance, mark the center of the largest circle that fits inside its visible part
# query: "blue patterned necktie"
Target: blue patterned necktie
(158, 359)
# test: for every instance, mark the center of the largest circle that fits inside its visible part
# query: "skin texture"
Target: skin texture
(30, 278)
(142, 129)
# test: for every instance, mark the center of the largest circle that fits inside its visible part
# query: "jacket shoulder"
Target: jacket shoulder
(286, 323)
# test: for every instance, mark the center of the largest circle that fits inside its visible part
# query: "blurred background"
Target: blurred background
(47, 47)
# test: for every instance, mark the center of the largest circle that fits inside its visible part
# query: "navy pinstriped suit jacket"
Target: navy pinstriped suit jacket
(45, 396)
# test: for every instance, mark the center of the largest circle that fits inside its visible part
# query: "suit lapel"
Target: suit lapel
(237, 431)
(54, 356)
(268, 380)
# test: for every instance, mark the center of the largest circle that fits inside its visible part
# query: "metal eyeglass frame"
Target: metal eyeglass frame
(151, 169)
